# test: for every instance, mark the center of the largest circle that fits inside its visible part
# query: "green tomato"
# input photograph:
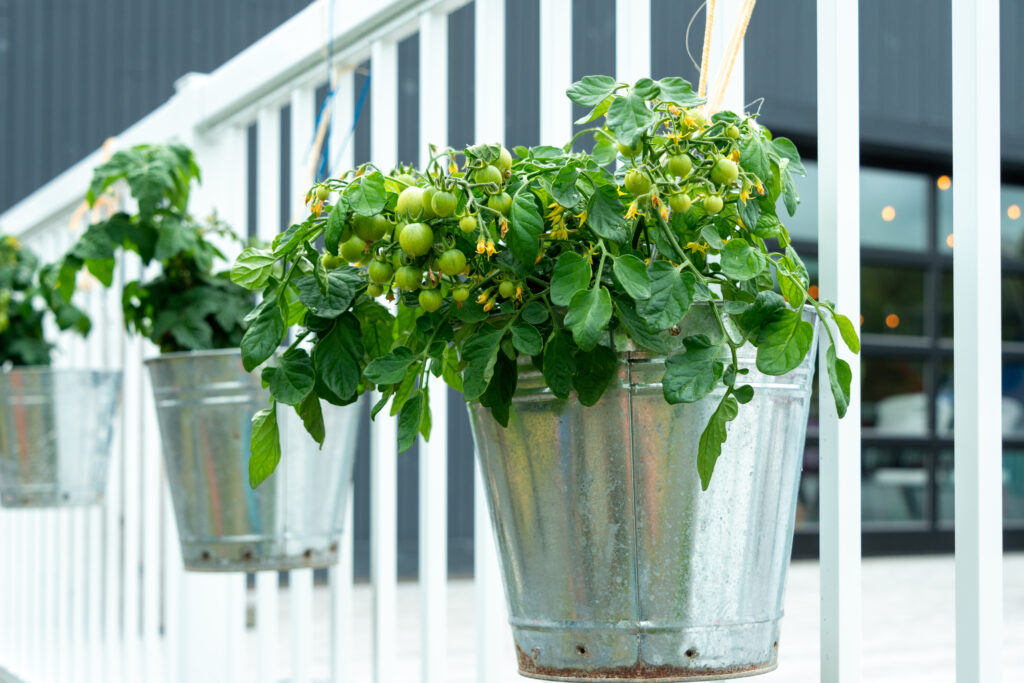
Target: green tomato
(629, 152)
(724, 172)
(502, 203)
(371, 228)
(733, 132)
(374, 289)
(353, 250)
(713, 204)
(416, 239)
(507, 289)
(331, 261)
(467, 224)
(428, 204)
(430, 300)
(444, 203)
(460, 293)
(697, 116)
(380, 272)
(680, 203)
(406, 178)
(504, 161)
(323, 192)
(452, 262)
(410, 202)
(680, 165)
(490, 174)
(408, 278)
(637, 183)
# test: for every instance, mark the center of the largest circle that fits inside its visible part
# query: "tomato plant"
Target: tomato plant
(554, 254)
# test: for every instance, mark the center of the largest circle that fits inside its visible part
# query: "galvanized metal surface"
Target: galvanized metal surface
(617, 566)
(56, 427)
(205, 403)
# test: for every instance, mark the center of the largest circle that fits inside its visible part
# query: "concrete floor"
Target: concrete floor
(908, 634)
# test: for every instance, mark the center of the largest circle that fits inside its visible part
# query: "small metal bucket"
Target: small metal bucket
(205, 401)
(56, 427)
(617, 567)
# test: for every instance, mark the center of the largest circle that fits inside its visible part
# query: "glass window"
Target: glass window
(1012, 220)
(1013, 486)
(1012, 404)
(1012, 304)
(894, 398)
(893, 209)
(804, 224)
(892, 300)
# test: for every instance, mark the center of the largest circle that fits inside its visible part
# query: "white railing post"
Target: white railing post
(489, 114)
(384, 435)
(340, 575)
(555, 72)
(839, 268)
(977, 341)
(433, 461)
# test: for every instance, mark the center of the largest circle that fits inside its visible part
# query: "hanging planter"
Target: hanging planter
(619, 321)
(206, 402)
(56, 427)
(617, 566)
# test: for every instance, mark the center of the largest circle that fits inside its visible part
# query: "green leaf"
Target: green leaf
(646, 88)
(629, 117)
(631, 273)
(679, 91)
(588, 315)
(789, 194)
(264, 446)
(264, 334)
(501, 389)
(744, 394)
(390, 368)
(409, 418)
(312, 417)
(783, 342)
(710, 447)
(847, 332)
(450, 369)
(741, 260)
(591, 89)
(480, 351)
(292, 379)
(524, 228)
(367, 197)
(527, 339)
(559, 363)
(605, 215)
(754, 156)
(839, 378)
(563, 187)
(173, 239)
(595, 369)
(761, 310)
(785, 148)
(337, 355)
(690, 376)
(95, 243)
(791, 290)
(253, 268)
(342, 286)
(571, 275)
(335, 227)
(671, 296)
(535, 312)
(637, 328)
(376, 324)
(102, 270)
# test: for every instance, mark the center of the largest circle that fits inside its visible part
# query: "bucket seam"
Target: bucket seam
(632, 478)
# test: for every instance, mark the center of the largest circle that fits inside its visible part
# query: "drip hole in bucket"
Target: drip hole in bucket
(691, 653)
(581, 650)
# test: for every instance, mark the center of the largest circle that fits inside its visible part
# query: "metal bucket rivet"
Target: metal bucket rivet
(205, 401)
(616, 566)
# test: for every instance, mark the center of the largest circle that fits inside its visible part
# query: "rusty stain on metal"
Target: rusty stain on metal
(640, 671)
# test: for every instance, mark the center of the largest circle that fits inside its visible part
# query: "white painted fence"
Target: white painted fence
(100, 595)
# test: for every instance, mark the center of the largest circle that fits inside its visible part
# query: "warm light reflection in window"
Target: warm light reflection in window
(813, 291)
(892, 321)
(944, 182)
(1013, 212)
(888, 213)
(949, 240)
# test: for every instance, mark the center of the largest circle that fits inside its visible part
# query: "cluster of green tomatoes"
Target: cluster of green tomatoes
(416, 248)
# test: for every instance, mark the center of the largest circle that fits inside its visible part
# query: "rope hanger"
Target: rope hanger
(732, 49)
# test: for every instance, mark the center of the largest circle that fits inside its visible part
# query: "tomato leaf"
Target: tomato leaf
(264, 334)
(605, 215)
(571, 275)
(690, 376)
(847, 331)
(591, 89)
(839, 378)
(479, 352)
(679, 91)
(253, 268)
(631, 273)
(342, 286)
(409, 418)
(559, 363)
(335, 227)
(527, 339)
(311, 413)
(783, 342)
(629, 117)
(588, 315)
(671, 296)
(595, 370)
(524, 228)
(741, 260)
(390, 368)
(264, 446)
(292, 378)
(754, 156)
(337, 355)
(714, 435)
(368, 196)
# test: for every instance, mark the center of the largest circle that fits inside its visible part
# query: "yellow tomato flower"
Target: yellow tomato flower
(693, 246)
(491, 249)
(632, 211)
(735, 155)
(482, 299)
(481, 245)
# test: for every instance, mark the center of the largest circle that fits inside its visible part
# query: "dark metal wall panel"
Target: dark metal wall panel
(409, 101)
(522, 73)
(593, 47)
(669, 19)
(461, 72)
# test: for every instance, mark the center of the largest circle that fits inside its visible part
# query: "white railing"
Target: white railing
(100, 594)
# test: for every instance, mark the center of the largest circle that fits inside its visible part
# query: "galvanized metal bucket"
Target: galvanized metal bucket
(56, 427)
(617, 567)
(205, 401)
